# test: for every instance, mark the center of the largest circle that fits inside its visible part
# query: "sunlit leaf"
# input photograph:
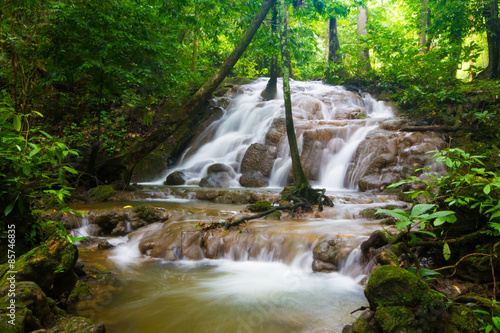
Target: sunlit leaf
(446, 251)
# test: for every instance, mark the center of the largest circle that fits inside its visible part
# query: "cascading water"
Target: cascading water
(330, 123)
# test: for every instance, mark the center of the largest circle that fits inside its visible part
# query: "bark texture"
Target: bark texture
(490, 14)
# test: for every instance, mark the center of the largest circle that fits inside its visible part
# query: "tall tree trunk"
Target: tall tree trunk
(183, 121)
(424, 41)
(333, 51)
(271, 87)
(298, 173)
(490, 14)
(362, 21)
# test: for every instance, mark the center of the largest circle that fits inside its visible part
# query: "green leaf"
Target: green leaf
(420, 209)
(496, 322)
(424, 272)
(34, 152)
(9, 208)
(397, 213)
(427, 233)
(446, 251)
(16, 122)
(70, 169)
(46, 134)
(487, 189)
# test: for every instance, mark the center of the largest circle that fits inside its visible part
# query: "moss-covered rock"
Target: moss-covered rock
(49, 265)
(101, 193)
(147, 213)
(74, 325)
(402, 302)
(260, 206)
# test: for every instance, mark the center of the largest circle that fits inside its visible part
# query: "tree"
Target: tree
(271, 87)
(490, 14)
(183, 121)
(301, 191)
(362, 20)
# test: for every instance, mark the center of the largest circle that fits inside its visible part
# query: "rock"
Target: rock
(49, 265)
(221, 179)
(103, 244)
(148, 213)
(260, 206)
(400, 300)
(33, 309)
(259, 158)
(276, 132)
(220, 167)
(253, 179)
(101, 193)
(327, 255)
(176, 178)
(218, 175)
(107, 220)
(75, 325)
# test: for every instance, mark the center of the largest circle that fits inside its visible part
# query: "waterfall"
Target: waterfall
(330, 123)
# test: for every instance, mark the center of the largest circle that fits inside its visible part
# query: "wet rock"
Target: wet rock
(400, 300)
(276, 132)
(75, 325)
(176, 178)
(259, 158)
(218, 175)
(221, 179)
(327, 255)
(49, 265)
(253, 179)
(260, 206)
(386, 157)
(107, 220)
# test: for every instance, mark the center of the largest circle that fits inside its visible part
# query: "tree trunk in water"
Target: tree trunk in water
(490, 15)
(424, 41)
(271, 87)
(362, 21)
(298, 173)
(182, 122)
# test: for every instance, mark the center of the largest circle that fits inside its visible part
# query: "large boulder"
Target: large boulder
(218, 175)
(328, 254)
(253, 179)
(399, 302)
(49, 265)
(176, 178)
(259, 157)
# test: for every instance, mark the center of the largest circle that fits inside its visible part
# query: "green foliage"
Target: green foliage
(467, 185)
(419, 217)
(33, 171)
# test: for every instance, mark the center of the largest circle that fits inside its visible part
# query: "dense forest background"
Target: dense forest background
(83, 83)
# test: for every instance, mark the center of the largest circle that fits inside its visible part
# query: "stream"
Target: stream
(176, 278)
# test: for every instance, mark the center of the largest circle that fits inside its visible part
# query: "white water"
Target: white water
(315, 107)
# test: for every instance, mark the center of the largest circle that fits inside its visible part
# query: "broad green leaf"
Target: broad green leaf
(420, 209)
(34, 152)
(46, 134)
(496, 321)
(487, 189)
(9, 208)
(446, 251)
(16, 122)
(397, 213)
(403, 224)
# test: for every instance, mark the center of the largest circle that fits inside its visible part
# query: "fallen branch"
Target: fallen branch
(458, 262)
(267, 212)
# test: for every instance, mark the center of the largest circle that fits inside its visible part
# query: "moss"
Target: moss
(147, 213)
(260, 206)
(101, 193)
(275, 215)
(395, 319)
(81, 291)
(460, 318)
